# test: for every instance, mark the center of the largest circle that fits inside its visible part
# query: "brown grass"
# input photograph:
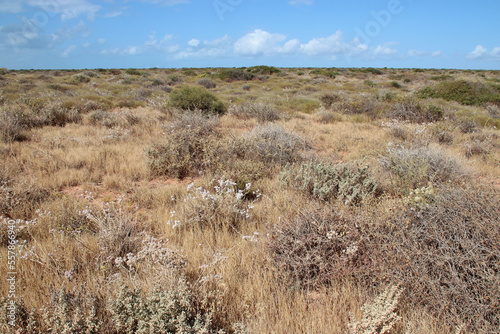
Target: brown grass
(92, 204)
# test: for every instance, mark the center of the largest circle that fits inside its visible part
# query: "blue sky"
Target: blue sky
(49, 34)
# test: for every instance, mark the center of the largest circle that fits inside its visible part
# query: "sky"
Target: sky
(76, 34)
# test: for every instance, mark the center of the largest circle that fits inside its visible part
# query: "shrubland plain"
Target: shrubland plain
(250, 200)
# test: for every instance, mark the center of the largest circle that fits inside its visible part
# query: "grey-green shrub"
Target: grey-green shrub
(196, 98)
(163, 310)
(416, 167)
(349, 182)
(263, 112)
(272, 144)
(207, 83)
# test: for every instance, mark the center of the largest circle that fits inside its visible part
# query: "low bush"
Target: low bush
(221, 207)
(11, 127)
(263, 112)
(448, 256)
(330, 73)
(464, 92)
(271, 144)
(328, 117)
(316, 248)
(233, 74)
(196, 98)
(349, 182)
(174, 308)
(329, 99)
(207, 83)
(410, 109)
(186, 151)
(417, 167)
(262, 69)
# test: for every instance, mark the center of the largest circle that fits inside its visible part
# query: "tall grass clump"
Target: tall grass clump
(196, 98)
(263, 112)
(349, 182)
(11, 127)
(187, 148)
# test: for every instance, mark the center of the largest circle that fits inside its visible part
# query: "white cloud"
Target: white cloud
(69, 9)
(194, 42)
(66, 53)
(384, 51)
(418, 53)
(114, 13)
(220, 47)
(480, 52)
(101, 40)
(436, 53)
(152, 45)
(301, 2)
(259, 42)
(66, 33)
(332, 45)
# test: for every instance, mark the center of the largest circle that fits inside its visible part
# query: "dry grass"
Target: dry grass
(97, 170)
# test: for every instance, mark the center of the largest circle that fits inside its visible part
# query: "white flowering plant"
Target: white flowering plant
(222, 206)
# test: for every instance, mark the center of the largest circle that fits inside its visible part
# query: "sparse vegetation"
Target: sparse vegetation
(354, 205)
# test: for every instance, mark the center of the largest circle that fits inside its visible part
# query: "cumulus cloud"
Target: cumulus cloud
(258, 42)
(332, 45)
(480, 52)
(384, 50)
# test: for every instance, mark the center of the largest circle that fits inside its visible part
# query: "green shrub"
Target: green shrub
(464, 92)
(262, 69)
(330, 73)
(348, 182)
(133, 71)
(371, 70)
(395, 84)
(233, 74)
(196, 98)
